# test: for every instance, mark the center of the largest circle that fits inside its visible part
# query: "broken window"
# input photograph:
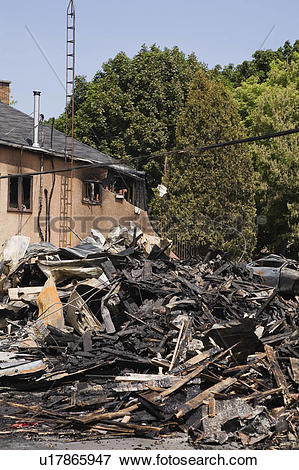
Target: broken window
(20, 193)
(92, 192)
(123, 189)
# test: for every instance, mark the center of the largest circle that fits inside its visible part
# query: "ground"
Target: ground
(178, 442)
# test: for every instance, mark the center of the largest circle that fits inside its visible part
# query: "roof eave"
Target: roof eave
(121, 168)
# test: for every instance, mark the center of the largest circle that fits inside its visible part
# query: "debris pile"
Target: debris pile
(104, 339)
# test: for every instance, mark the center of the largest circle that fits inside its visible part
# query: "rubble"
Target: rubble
(109, 338)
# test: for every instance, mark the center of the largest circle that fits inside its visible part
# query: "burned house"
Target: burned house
(105, 193)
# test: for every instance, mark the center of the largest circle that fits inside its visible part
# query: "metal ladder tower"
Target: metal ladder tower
(66, 186)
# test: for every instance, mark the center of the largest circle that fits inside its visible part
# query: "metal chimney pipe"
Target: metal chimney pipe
(36, 95)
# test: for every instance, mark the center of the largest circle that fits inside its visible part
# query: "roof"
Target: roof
(16, 129)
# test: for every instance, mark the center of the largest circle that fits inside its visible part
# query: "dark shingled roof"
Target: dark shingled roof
(16, 128)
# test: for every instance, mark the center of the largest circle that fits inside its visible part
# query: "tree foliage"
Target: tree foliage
(259, 67)
(269, 107)
(130, 107)
(210, 199)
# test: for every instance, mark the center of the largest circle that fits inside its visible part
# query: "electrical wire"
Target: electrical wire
(163, 154)
(220, 144)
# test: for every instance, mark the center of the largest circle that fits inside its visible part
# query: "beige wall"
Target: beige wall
(84, 216)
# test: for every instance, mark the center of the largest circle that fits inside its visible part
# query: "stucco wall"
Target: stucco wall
(84, 216)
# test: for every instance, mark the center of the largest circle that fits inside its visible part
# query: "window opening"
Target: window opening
(92, 192)
(20, 193)
(13, 192)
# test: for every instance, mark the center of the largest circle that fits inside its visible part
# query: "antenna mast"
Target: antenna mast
(66, 189)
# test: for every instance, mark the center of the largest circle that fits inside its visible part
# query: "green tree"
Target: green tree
(259, 67)
(130, 108)
(267, 107)
(81, 85)
(210, 198)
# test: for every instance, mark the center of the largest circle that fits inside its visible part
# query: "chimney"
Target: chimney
(36, 95)
(4, 91)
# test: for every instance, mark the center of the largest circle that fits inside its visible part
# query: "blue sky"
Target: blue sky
(217, 31)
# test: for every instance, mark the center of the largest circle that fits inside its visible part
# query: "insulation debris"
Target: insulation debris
(50, 310)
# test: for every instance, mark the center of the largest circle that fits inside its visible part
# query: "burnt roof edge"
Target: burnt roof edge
(117, 167)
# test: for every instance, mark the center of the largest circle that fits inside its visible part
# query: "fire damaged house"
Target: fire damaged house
(105, 193)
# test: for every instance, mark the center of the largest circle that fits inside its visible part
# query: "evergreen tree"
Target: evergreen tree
(210, 198)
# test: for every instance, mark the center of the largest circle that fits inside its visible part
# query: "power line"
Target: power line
(162, 154)
(44, 56)
(268, 35)
(220, 144)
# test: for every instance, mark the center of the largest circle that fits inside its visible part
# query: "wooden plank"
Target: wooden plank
(124, 427)
(132, 377)
(183, 381)
(130, 387)
(100, 416)
(265, 304)
(135, 383)
(20, 405)
(140, 427)
(110, 427)
(212, 407)
(23, 368)
(37, 410)
(153, 408)
(258, 395)
(109, 325)
(62, 374)
(177, 346)
(295, 368)
(160, 362)
(17, 293)
(278, 374)
(126, 355)
(203, 396)
(192, 374)
(191, 363)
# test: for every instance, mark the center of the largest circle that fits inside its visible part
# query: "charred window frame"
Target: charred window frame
(122, 188)
(92, 192)
(19, 194)
(125, 188)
